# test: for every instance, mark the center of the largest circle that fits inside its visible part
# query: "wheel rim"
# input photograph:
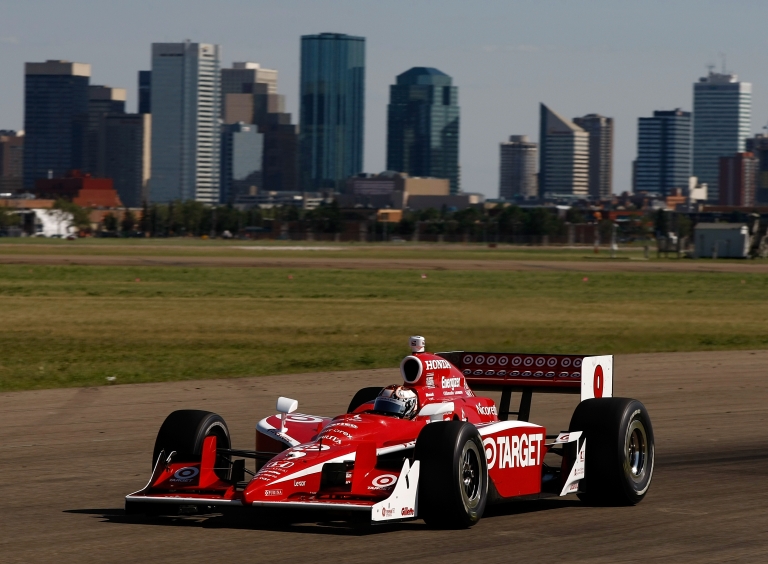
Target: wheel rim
(636, 451)
(470, 475)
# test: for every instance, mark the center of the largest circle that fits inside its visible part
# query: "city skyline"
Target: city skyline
(636, 65)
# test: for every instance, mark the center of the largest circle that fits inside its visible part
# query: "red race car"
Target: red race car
(429, 448)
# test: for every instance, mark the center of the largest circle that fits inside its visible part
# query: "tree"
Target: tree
(8, 219)
(81, 217)
(128, 222)
(110, 222)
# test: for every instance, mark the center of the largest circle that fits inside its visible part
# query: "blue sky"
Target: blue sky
(618, 58)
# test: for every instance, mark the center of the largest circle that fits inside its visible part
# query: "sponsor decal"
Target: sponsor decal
(478, 373)
(526, 374)
(437, 364)
(491, 360)
(273, 492)
(479, 359)
(551, 361)
(344, 424)
(514, 373)
(467, 372)
(550, 374)
(597, 382)
(566, 362)
(507, 451)
(295, 454)
(451, 382)
(538, 374)
(575, 374)
(407, 512)
(299, 484)
(541, 361)
(300, 418)
(186, 474)
(490, 372)
(467, 359)
(384, 481)
(516, 361)
(430, 394)
(573, 487)
(501, 372)
(486, 409)
(334, 429)
(563, 375)
(431, 381)
(310, 447)
(503, 361)
(577, 363)
(528, 361)
(387, 512)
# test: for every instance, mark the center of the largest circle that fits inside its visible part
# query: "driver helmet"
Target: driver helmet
(398, 401)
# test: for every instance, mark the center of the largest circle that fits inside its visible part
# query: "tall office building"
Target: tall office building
(423, 125)
(563, 156)
(128, 155)
(11, 161)
(663, 152)
(331, 109)
(145, 92)
(102, 101)
(242, 157)
(186, 105)
(55, 99)
(722, 110)
(600, 129)
(758, 146)
(250, 96)
(517, 175)
(737, 180)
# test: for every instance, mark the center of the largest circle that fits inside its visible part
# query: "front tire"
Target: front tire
(185, 430)
(453, 479)
(620, 450)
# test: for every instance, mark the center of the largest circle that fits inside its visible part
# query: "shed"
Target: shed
(721, 240)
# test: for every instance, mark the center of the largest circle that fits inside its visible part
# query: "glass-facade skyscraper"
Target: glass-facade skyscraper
(722, 111)
(423, 125)
(55, 108)
(663, 152)
(332, 110)
(186, 108)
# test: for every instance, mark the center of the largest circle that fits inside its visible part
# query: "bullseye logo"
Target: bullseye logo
(516, 361)
(384, 481)
(503, 361)
(540, 361)
(490, 451)
(551, 361)
(528, 361)
(467, 359)
(597, 382)
(577, 363)
(186, 474)
(491, 360)
(479, 359)
(566, 362)
(299, 418)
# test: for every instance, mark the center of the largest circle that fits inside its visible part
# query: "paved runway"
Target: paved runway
(67, 458)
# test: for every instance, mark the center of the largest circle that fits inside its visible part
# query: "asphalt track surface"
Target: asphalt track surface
(356, 263)
(68, 456)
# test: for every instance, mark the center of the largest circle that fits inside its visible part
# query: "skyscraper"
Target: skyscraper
(11, 161)
(423, 125)
(737, 180)
(722, 110)
(563, 157)
(242, 148)
(102, 101)
(186, 105)
(517, 175)
(332, 109)
(127, 155)
(600, 131)
(55, 100)
(758, 146)
(145, 92)
(663, 152)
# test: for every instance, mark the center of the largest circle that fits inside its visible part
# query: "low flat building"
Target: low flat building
(721, 240)
(80, 189)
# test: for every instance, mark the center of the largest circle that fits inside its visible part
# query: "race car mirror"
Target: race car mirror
(284, 407)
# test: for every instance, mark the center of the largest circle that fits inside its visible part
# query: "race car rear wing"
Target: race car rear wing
(589, 376)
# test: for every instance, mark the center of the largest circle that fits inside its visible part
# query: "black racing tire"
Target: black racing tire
(620, 450)
(453, 475)
(185, 430)
(363, 396)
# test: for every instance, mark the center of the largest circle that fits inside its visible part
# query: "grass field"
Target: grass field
(76, 326)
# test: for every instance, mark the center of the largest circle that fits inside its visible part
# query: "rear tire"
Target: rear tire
(453, 478)
(185, 430)
(619, 453)
(363, 396)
